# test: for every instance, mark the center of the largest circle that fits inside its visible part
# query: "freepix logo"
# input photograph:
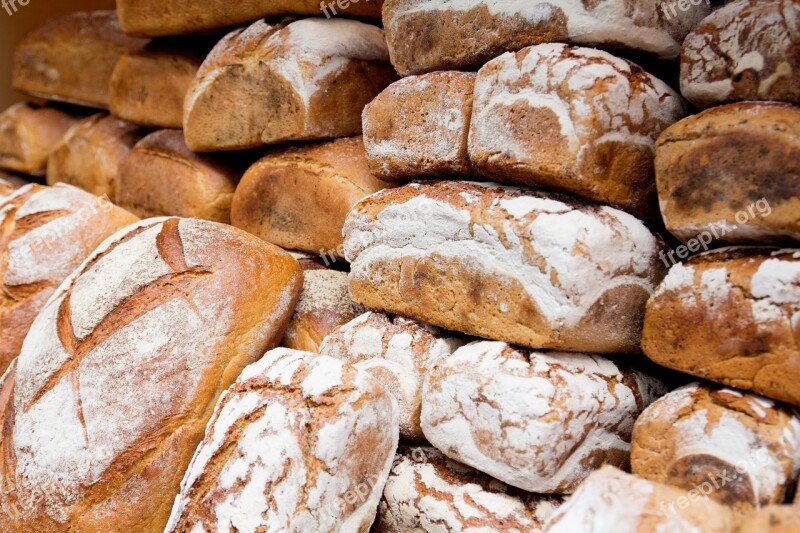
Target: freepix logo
(11, 6)
(672, 9)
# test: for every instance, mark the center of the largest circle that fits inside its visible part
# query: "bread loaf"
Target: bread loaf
(296, 444)
(9, 183)
(530, 268)
(298, 197)
(292, 80)
(538, 421)
(397, 353)
(161, 176)
(748, 50)
(426, 491)
(572, 119)
(418, 127)
(772, 519)
(732, 174)
(730, 316)
(70, 58)
(122, 368)
(89, 154)
(28, 133)
(46, 234)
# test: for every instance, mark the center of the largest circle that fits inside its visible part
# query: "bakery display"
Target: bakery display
(28, 133)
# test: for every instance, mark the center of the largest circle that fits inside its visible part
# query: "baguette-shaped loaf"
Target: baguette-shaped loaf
(89, 154)
(530, 268)
(293, 80)
(122, 368)
(71, 58)
(297, 444)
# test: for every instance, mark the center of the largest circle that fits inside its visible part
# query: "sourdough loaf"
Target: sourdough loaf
(28, 133)
(297, 444)
(292, 80)
(530, 268)
(121, 370)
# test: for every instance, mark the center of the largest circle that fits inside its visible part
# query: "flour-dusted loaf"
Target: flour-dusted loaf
(418, 127)
(748, 50)
(732, 174)
(70, 58)
(742, 449)
(427, 492)
(540, 421)
(90, 153)
(293, 80)
(611, 501)
(731, 316)
(161, 176)
(297, 444)
(122, 368)
(398, 353)
(298, 197)
(577, 120)
(28, 133)
(429, 35)
(46, 232)
(772, 519)
(530, 268)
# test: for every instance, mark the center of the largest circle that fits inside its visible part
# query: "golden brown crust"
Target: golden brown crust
(28, 133)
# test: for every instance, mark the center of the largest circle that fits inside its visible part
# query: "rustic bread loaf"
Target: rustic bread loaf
(572, 119)
(28, 133)
(426, 491)
(121, 370)
(70, 58)
(298, 197)
(89, 154)
(732, 174)
(46, 233)
(397, 353)
(418, 127)
(731, 316)
(530, 268)
(772, 519)
(748, 50)
(538, 421)
(161, 176)
(298, 443)
(293, 80)
(9, 183)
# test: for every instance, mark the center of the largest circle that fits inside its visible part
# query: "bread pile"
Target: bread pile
(403, 266)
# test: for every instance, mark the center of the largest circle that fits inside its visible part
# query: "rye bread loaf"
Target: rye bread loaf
(122, 368)
(748, 50)
(398, 353)
(530, 268)
(299, 443)
(731, 316)
(70, 58)
(576, 120)
(538, 421)
(292, 80)
(89, 154)
(732, 174)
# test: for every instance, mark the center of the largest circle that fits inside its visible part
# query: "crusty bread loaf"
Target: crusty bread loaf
(733, 174)
(9, 183)
(298, 197)
(298, 443)
(730, 316)
(742, 449)
(70, 58)
(121, 370)
(292, 80)
(418, 127)
(426, 491)
(572, 119)
(397, 353)
(89, 154)
(538, 421)
(28, 133)
(772, 519)
(46, 233)
(530, 268)
(429, 35)
(748, 50)
(161, 176)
